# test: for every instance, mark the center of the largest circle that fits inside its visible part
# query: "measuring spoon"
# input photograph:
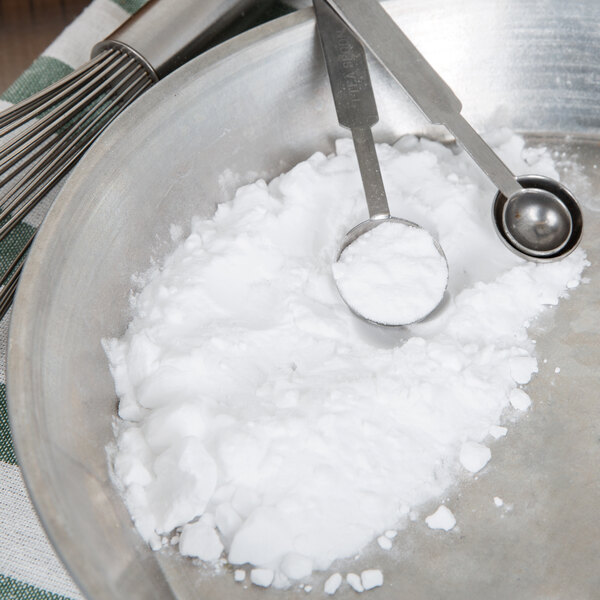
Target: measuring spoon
(536, 217)
(406, 277)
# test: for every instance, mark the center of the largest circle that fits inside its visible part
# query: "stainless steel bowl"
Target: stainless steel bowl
(255, 107)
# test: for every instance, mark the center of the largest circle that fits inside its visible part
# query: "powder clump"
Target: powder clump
(332, 584)
(371, 578)
(442, 518)
(474, 456)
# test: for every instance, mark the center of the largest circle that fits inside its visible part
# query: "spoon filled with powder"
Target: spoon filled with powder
(389, 271)
(392, 274)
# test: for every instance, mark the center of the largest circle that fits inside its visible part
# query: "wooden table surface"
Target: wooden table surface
(27, 27)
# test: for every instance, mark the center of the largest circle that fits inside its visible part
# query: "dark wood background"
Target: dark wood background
(26, 28)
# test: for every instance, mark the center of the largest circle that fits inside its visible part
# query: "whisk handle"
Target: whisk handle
(166, 33)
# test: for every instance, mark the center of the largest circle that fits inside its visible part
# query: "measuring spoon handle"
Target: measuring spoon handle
(354, 100)
(373, 26)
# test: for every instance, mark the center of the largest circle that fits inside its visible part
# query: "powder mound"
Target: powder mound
(263, 423)
(392, 274)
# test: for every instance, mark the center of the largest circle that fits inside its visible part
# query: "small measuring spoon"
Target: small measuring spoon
(376, 299)
(536, 217)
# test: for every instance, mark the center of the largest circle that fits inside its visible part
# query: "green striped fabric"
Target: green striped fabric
(17, 590)
(13, 242)
(130, 6)
(29, 568)
(7, 452)
(44, 71)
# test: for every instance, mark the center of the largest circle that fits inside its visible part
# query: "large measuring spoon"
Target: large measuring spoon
(389, 271)
(536, 217)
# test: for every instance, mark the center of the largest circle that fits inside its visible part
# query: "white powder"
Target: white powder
(261, 577)
(384, 542)
(332, 584)
(354, 581)
(296, 566)
(239, 575)
(392, 274)
(474, 456)
(522, 368)
(371, 578)
(251, 396)
(201, 540)
(520, 399)
(497, 431)
(442, 518)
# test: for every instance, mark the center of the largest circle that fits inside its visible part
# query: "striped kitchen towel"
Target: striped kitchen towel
(29, 568)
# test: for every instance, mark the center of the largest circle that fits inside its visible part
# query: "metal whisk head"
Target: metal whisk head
(43, 137)
(50, 131)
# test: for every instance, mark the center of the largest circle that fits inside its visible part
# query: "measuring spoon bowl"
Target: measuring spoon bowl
(402, 284)
(542, 222)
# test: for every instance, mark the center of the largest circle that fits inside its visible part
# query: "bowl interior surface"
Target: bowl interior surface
(253, 108)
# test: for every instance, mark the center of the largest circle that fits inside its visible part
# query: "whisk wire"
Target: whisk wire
(66, 119)
(47, 173)
(72, 145)
(21, 165)
(20, 113)
(42, 138)
(20, 145)
(11, 278)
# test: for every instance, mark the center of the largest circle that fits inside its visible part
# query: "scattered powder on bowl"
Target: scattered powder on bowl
(392, 274)
(384, 542)
(332, 584)
(239, 575)
(442, 518)
(371, 578)
(260, 416)
(354, 581)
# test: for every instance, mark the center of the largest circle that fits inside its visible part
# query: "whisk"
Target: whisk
(53, 128)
